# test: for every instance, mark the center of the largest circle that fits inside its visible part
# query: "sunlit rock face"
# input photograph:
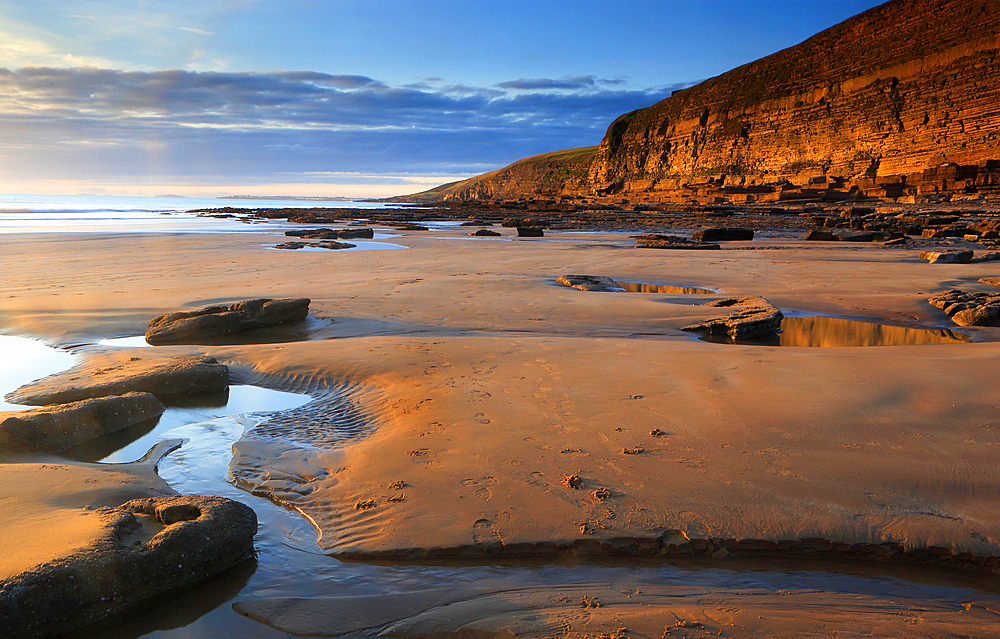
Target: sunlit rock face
(881, 100)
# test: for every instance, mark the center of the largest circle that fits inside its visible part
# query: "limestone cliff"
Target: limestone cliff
(908, 85)
(900, 102)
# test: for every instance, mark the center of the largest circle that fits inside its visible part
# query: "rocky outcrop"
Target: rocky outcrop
(900, 90)
(195, 375)
(969, 309)
(752, 317)
(212, 322)
(60, 427)
(590, 283)
(947, 257)
(722, 235)
(485, 233)
(195, 538)
(657, 241)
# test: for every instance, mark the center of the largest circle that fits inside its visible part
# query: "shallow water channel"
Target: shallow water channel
(289, 562)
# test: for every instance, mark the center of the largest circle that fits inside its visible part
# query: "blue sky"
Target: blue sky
(344, 97)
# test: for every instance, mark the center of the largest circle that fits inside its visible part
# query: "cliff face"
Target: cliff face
(903, 87)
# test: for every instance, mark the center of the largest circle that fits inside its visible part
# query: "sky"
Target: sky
(355, 98)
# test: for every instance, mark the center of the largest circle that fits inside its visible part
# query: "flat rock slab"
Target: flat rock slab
(969, 309)
(530, 231)
(194, 327)
(992, 281)
(672, 242)
(140, 549)
(194, 375)
(752, 317)
(722, 235)
(60, 427)
(485, 233)
(947, 257)
(590, 283)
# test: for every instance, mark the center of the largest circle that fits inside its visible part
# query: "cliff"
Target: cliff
(900, 102)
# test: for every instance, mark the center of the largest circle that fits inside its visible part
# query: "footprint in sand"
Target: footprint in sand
(482, 418)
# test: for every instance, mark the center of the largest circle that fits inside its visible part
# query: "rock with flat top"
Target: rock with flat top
(211, 322)
(751, 317)
(590, 283)
(992, 281)
(722, 235)
(194, 375)
(947, 257)
(969, 309)
(657, 241)
(60, 427)
(150, 547)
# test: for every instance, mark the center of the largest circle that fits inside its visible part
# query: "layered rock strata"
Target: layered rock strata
(60, 427)
(751, 317)
(969, 309)
(657, 241)
(195, 375)
(217, 321)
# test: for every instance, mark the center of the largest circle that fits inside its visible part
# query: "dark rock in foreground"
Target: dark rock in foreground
(722, 235)
(195, 375)
(530, 231)
(360, 234)
(671, 242)
(590, 283)
(335, 246)
(195, 538)
(217, 321)
(969, 309)
(752, 317)
(290, 246)
(60, 427)
(486, 233)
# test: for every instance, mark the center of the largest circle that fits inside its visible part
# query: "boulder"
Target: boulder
(530, 231)
(947, 257)
(60, 427)
(672, 242)
(821, 236)
(899, 241)
(313, 234)
(152, 546)
(193, 327)
(985, 257)
(969, 309)
(291, 246)
(194, 375)
(847, 236)
(590, 283)
(486, 233)
(360, 234)
(752, 317)
(335, 246)
(722, 235)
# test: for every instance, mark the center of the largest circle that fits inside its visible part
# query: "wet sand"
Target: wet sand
(477, 385)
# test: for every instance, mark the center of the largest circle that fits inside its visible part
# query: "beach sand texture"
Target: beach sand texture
(490, 410)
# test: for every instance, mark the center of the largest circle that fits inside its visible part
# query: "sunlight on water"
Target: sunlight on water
(24, 360)
(837, 332)
(643, 287)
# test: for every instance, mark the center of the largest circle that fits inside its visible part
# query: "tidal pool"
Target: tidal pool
(670, 289)
(818, 331)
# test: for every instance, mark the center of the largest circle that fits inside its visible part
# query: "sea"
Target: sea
(121, 214)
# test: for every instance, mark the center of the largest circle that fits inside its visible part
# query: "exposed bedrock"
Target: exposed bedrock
(195, 375)
(193, 327)
(590, 283)
(969, 309)
(152, 546)
(752, 316)
(60, 427)
(894, 91)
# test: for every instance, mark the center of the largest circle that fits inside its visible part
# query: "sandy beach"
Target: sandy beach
(466, 405)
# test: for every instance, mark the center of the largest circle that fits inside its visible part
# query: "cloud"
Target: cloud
(198, 31)
(283, 125)
(574, 82)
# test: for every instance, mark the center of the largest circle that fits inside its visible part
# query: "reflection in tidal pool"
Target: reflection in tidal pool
(832, 332)
(644, 287)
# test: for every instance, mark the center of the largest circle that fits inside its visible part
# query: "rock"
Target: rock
(969, 309)
(66, 425)
(590, 283)
(985, 257)
(335, 246)
(195, 538)
(216, 321)
(291, 246)
(411, 227)
(313, 234)
(821, 236)
(854, 237)
(486, 233)
(947, 257)
(992, 281)
(360, 234)
(897, 241)
(753, 316)
(672, 242)
(722, 235)
(530, 231)
(194, 375)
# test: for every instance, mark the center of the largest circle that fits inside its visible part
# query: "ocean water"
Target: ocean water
(100, 213)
